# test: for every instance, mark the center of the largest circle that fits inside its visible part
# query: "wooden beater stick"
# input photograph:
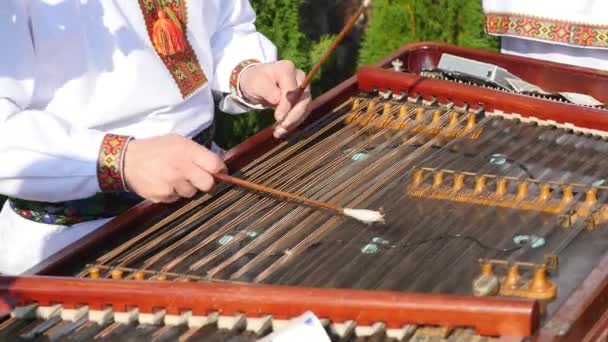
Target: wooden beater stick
(294, 96)
(363, 215)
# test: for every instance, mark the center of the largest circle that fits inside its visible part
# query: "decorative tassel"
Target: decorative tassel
(167, 37)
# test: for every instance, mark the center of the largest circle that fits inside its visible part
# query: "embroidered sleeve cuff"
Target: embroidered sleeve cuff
(110, 163)
(235, 81)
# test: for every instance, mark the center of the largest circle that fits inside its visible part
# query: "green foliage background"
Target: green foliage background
(391, 24)
(394, 23)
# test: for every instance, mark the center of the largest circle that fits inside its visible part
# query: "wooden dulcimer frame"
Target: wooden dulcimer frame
(584, 315)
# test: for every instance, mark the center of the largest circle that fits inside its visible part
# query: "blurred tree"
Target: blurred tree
(393, 23)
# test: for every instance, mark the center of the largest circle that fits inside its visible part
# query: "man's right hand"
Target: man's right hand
(163, 169)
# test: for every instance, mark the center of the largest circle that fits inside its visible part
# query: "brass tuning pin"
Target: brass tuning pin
(436, 117)
(403, 119)
(139, 276)
(540, 286)
(117, 274)
(511, 281)
(453, 119)
(545, 193)
(568, 194)
(522, 191)
(417, 179)
(471, 122)
(94, 272)
(403, 112)
(458, 182)
(437, 179)
(591, 197)
(420, 114)
(356, 104)
(370, 107)
(387, 108)
(501, 187)
(385, 120)
(480, 184)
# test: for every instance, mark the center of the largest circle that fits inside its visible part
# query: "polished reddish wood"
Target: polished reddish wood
(577, 316)
(599, 332)
(489, 316)
(7, 303)
(370, 78)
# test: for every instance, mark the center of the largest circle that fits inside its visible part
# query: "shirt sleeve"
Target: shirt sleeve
(42, 156)
(235, 44)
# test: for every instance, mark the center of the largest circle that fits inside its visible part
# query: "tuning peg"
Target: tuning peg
(458, 182)
(403, 112)
(522, 191)
(471, 122)
(117, 274)
(453, 119)
(436, 117)
(568, 194)
(591, 197)
(512, 279)
(437, 179)
(403, 117)
(370, 107)
(94, 272)
(139, 276)
(417, 179)
(541, 286)
(545, 193)
(480, 184)
(387, 108)
(420, 114)
(501, 187)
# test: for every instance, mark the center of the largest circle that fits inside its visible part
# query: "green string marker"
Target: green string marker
(226, 239)
(359, 156)
(370, 248)
(498, 159)
(535, 241)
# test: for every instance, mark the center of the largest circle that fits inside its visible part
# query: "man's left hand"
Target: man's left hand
(268, 84)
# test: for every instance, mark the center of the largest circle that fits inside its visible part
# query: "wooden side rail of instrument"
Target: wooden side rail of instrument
(373, 78)
(489, 316)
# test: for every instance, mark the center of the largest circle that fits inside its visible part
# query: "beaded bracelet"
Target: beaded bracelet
(235, 81)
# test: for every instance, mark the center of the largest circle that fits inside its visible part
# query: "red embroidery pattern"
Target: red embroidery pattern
(110, 163)
(236, 73)
(183, 66)
(548, 30)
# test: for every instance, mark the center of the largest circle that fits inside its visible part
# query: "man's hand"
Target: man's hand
(268, 84)
(163, 169)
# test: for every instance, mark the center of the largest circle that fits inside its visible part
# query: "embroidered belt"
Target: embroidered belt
(102, 205)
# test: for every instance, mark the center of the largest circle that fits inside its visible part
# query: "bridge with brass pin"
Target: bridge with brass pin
(513, 284)
(513, 192)
(414, 116)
